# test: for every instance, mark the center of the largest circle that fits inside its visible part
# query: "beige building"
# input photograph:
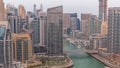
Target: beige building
(43, 29)
(85, 23)
(22, 47)
(98, 41)
(104, 28)
(21, 11)
(66, 22)
(2, 10)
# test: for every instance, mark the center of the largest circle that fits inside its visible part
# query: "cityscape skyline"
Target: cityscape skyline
(79, 6)
(48, 37)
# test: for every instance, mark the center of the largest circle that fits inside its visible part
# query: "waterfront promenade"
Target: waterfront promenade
(105, 61)
(68, 65)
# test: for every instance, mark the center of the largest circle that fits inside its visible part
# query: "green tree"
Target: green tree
(43, 60)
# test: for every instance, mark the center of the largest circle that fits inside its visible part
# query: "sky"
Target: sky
(69, 6)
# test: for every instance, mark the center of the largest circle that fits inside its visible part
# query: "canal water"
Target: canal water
(82, 60)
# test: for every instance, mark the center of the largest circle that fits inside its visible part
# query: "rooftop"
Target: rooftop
(21, 35)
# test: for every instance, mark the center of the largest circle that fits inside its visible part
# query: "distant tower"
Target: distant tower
(2, 10)
(21, 11)
(103, 10)
(43, 29)
(41, 8)
(103, 16)
(35, 10)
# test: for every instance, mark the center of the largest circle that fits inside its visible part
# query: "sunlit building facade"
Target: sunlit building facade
(22, 47)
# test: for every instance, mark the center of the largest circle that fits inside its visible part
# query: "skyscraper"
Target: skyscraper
(103, 16)
(78, 24)
(54, 31)
(66, 23)
(35, 10)
(14, 22)
(21, 11)
(73, 21)
(43, 29)
(22, 47)
(114, 30)
(11, 9)
(5, 45)
(5, 40)
(94, 25)
(2, 10)
(103, 10)
(41, 8)
(85, 23)
(35, 26)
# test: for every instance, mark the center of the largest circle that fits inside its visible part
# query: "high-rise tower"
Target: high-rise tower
(114, 29)
(41, 7)
(54, 31)
(2, 12)
(21, 11)
(5, 45)
(35, 10)
(103, 16)
(103, 10)
(43, 29)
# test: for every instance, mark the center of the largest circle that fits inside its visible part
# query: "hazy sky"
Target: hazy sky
(71, 6)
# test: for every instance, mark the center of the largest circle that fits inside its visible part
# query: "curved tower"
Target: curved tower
(2, 11)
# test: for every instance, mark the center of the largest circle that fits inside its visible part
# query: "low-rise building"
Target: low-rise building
(98, 41)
